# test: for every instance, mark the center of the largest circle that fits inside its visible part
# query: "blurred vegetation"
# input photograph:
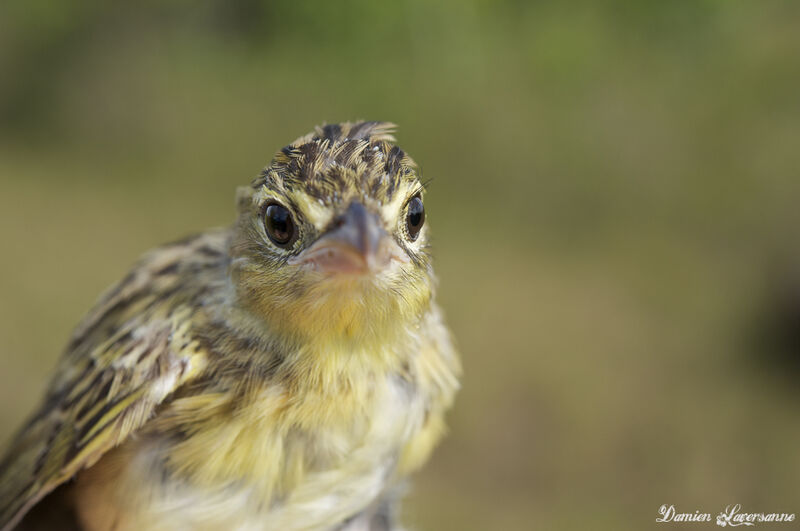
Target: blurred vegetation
(614, 200)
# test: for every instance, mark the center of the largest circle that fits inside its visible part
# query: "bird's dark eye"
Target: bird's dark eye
(279, 224)
(415, 217)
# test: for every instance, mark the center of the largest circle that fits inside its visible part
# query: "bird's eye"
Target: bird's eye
(415, 217)
(279, 224)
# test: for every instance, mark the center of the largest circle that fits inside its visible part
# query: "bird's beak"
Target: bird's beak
(356, 244)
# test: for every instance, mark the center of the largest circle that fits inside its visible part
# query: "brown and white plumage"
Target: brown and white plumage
(219, 386)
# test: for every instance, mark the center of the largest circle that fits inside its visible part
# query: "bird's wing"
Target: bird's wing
(128, 355)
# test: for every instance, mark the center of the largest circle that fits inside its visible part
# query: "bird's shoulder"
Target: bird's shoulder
(131, 351)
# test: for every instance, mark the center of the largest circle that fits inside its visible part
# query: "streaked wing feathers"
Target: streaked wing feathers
(131, 353)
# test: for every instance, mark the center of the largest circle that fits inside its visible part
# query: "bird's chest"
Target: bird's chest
(283, 461)
(350, 459)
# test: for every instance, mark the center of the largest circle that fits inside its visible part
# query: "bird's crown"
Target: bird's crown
(333, 159)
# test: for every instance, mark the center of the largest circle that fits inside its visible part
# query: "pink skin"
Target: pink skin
(334, 256)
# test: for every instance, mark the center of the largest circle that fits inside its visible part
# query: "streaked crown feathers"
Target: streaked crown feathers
(336, 158)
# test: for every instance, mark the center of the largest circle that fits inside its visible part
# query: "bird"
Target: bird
(289, 372)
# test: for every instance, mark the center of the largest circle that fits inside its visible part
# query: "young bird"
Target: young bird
(286, 373)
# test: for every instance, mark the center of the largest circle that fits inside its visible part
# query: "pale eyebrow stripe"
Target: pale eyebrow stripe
(315, 213)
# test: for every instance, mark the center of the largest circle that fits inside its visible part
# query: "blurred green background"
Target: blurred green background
(614, 201)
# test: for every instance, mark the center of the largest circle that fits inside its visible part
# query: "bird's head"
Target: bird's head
(331, 240)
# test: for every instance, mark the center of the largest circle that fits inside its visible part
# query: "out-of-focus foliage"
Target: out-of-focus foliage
(614, 200)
